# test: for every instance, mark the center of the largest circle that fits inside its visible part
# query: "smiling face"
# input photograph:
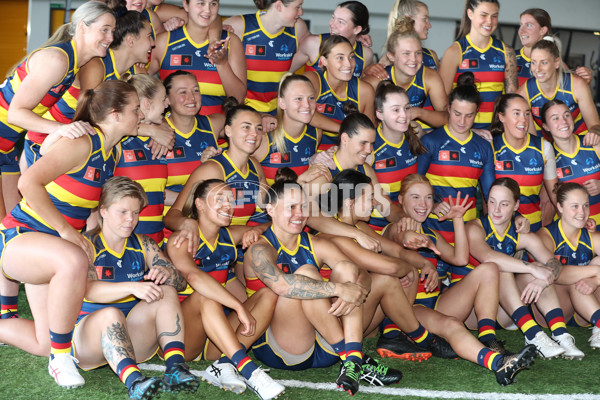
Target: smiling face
(396, 112)
(544, 66)
(184, 96)
(136, 5)
(290, 13)
(340, 62)
(245, 132)
(364, 203)
(484, 18)
(461, 116)
(575, 208)
(154, 108)
(98, 35)
(130, 117)
(417, 201)
(202, 12)
(422, 25)
(218, 206)
(358, 147)
(298, 102)
(501, 205)
(290, 212)
(516, 118)
(530, 31)
(120, 218)
(559, 122)
(341, 24)
(142, 44)
(407, 56)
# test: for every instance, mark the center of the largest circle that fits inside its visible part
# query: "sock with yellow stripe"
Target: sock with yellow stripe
(8, 306)
(388, 329)
(525, 322)
(487, 329)
(489, 359)
(174, 352)
(128, 371)
(243, 363)
(225, 359)
(420, 336)
(60, 343)
(595, 319)
(354, 352)
(556, 322)
(340, 349)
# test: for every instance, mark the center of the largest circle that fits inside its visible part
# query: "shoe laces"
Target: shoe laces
(65, 357)
(260, 377)
(352, 370)
(377, 368)
(544, 340)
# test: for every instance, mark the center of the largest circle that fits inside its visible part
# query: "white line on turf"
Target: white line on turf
(390, 391)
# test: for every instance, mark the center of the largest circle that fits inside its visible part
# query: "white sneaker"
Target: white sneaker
(64, 371)
(263, 385)
(595, 338)
(224, 376)
(546, 347)
(567, 342)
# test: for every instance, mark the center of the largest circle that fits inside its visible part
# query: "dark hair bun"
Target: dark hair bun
(286, 175)
(466, 79)
(229, 104)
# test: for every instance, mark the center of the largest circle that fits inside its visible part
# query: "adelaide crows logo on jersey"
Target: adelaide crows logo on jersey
(564, 172)
(281, 158)
(92, 174)
(177, 152)
(387, 163)
(105, 273)
(563, 259)
(325, 108)
(255, 50)
(504, 166)
(449, 155)
(285, 267)
(180, 59)
(134, 155)
(472, 63)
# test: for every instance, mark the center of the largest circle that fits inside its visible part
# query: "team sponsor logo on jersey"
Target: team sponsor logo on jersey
(105, 273)
(325, 108)
(564, 172)
(281, 158)
(177, 152)
(449, 155)
(285, 267)
(134, 155)
(181, 59)
(256, 50)
(472, 63)
(387, 163)
(92, 174)
(506, 165)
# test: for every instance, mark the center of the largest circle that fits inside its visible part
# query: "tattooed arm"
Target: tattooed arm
(511, 81)
(260, 261)
(161, 270)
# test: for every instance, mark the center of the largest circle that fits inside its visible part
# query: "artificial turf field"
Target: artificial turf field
(23, 376)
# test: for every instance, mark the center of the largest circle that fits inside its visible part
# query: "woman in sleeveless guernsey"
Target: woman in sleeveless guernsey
(351, 20)
(356, 201)
(535, 24)
(219, 68)
(575, 247)
(209, 331)
(494, 238)
(491, 61)
(338, 90)
(137, 161)
(550, 82)
(150, 15)
(407, 70)
(526, 158)
(37, 83)
(575, 162)
(270, 39)
(42, 244)
(305, 331)
(132, 44)
(130, 306)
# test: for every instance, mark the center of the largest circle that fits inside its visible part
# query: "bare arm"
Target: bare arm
(449, 65)
(511, 79)
(156, 260)
(435, 89)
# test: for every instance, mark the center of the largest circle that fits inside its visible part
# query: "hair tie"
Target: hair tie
(91, 92)
(548, 38)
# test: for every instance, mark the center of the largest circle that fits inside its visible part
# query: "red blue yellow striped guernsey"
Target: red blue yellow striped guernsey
(359, 57)
(10, 134)
(416, 91)
(525, 166)
(488, 66)
(537, 99)
(580, 166)
(579, 253)
(523, 67)
(268, 58)
(136, 162)
(75, 193)
(182, 53)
